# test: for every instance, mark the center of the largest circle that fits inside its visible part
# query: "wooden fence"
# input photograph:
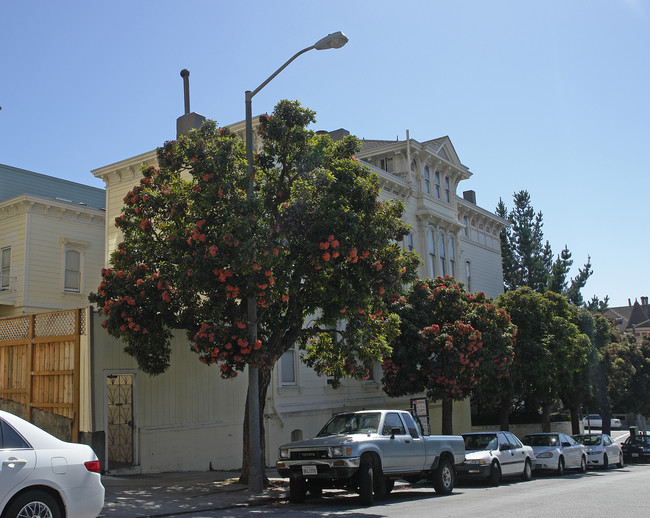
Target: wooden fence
(40, 362)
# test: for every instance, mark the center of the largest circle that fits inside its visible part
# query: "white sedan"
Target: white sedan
(602, 450)
(556, 452)
(44, 477)
(595, 421)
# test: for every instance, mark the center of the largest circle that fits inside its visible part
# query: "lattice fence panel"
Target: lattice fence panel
(58, 324)
(14, 328)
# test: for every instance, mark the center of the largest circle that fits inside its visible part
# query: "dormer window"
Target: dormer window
(386, 164)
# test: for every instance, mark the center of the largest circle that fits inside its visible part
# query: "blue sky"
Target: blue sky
(552, 97)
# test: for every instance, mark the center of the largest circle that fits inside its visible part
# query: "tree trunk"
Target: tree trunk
(447, 415)
(546, 417)
(504, 417)
(575, 421)
(264, 381)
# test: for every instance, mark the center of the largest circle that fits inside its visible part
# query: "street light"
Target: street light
(255, 479)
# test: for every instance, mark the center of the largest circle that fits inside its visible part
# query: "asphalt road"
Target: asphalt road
(596, 494)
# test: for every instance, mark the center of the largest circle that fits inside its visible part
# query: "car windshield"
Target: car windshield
(588, 440)
(351, 423)
(540, 440)
(482, 441)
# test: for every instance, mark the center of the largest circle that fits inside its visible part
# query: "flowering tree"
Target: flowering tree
(441, 348)
(313, 241)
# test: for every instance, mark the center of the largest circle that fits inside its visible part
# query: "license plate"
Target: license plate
(635, 455)
(309, 470)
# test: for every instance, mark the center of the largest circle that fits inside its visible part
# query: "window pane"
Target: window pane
(288, 367)
(5, 271)
(72, 276)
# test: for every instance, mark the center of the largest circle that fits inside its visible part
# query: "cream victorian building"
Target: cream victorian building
(190, 404)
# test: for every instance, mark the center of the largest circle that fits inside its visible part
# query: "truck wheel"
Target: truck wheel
(314, 488)
(390, 484)
(366, 488)
(297, 490)
(495, 474)
(443, 477)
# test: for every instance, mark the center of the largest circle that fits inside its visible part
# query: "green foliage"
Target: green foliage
(528, 261)
(627, 368)
(313, 247)
(550, 352)
(451, 343)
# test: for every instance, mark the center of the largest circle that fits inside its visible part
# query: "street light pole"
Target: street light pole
(255, 478)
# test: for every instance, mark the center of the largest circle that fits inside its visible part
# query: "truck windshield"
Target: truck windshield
(351, 423)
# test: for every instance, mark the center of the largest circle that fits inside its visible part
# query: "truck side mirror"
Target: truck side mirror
(395, 430)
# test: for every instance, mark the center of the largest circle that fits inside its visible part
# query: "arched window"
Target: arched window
(452, 259)
(427, 180)
(431, 238)
(441, 254)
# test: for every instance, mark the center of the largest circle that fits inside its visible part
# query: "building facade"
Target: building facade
(190, 404)
(51, 242)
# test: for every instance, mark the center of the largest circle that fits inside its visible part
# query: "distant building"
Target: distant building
(51, 242)
(633, 318)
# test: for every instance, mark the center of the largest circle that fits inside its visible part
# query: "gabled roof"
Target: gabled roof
(441, 147)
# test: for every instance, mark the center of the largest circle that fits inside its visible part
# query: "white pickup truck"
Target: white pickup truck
(367, 451)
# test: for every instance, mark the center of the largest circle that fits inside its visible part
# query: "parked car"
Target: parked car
(636, 448)
(601, 449)
(367, 451)
(493, 455)
(42, 476)
(556, 452)
(595, 421)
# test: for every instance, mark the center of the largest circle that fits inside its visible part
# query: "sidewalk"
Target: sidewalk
(169, 494)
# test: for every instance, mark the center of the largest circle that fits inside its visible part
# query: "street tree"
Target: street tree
(550, 350)
(314, 247)
(441, 349)
(528, 260)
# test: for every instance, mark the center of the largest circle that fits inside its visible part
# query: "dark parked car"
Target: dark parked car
(636, 448)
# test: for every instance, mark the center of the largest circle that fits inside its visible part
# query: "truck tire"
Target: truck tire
(390, 484)
(297, 489)
(366, 486)
(443, 477)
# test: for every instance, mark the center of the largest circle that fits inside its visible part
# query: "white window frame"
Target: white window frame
(69, 245)
(410, 243)
(436, 179)
(387, 164)
(441, 253)
(292, 353)
(427, 180)
(431, 238)
(452, 255)
(5, 271)
(447, 190)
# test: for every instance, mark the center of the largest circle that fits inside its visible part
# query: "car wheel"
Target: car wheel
(443, 477)
(366, 483)
(34, 504)
(605, 461)
(621, 461)
(390, 484)
(495, 474)
(583, 465)
(528, 470)
(560, 467)
(297, 489)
